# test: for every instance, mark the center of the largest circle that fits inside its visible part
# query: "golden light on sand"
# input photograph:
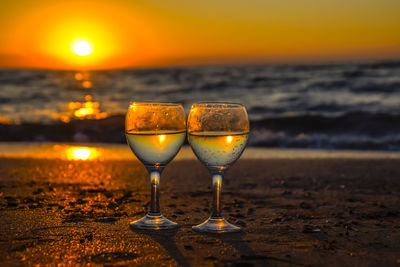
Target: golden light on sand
(229, 139)
(82, 48)
(82, 153)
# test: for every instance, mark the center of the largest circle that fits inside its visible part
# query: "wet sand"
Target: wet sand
(294, 210)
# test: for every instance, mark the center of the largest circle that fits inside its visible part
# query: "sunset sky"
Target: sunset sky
(122, 33)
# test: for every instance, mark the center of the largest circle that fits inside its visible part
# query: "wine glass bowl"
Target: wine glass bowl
(217, 133)
(155, 132)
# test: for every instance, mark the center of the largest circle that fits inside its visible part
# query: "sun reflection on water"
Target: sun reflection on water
(86, 84)
(82, 76)
(85, 109)
(88, 109)
(83, 79)
(82, 110)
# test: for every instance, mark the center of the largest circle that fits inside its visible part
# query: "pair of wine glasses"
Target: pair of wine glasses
(217, 133)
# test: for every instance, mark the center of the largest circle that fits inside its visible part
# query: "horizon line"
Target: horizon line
(216, 64)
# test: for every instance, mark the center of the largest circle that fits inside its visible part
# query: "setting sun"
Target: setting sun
(82, 48)
(117, 34)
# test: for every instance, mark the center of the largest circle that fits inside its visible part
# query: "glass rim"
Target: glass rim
(171, 104)
(216, 103)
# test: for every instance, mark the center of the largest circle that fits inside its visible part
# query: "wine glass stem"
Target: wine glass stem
(216, 207)
(155, 185)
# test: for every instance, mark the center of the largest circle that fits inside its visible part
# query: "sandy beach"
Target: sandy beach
(295, 207)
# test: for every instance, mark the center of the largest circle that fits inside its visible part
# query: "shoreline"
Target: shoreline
(107, 151)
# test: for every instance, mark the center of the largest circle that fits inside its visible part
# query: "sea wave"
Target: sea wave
(305, 131)
(347, 105)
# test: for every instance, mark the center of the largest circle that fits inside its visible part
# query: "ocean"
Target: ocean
(328, 106)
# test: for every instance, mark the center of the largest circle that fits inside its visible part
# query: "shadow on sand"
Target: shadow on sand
(248, 257)
(166, 238)
(235, 240)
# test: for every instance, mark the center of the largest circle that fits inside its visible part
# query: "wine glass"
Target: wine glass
(217, 133)
(155, 132)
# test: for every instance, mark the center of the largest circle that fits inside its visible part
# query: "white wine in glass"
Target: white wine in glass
(155, 132)
(155, 148)
(217, 133)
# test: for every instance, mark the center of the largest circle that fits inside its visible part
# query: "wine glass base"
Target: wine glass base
(219, 225)
(150, 222)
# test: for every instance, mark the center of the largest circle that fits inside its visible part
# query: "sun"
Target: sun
(82, 48)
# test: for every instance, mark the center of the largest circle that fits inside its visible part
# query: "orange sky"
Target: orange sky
(40, 33)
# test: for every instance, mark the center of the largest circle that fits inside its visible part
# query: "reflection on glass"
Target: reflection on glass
(82, 153)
